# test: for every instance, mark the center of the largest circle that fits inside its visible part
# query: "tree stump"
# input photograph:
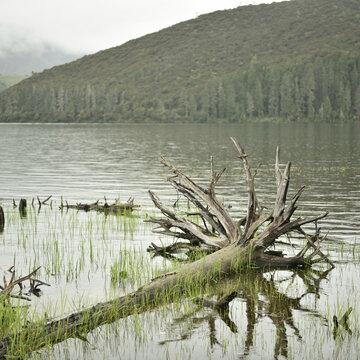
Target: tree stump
(22, 207)
(2, 219)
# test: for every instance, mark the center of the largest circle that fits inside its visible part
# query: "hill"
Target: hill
(295, 59)
(9, 80)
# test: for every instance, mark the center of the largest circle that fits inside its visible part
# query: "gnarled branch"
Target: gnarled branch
(257, 230)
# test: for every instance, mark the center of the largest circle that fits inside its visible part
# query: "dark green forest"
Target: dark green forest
(295, 60)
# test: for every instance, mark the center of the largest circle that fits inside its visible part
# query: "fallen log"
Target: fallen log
(105, 207)
(261, 295)
(238, 245)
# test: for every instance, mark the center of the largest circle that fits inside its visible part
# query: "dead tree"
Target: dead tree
(238, 245)
(247, 238)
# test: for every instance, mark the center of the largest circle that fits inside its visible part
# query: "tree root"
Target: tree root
(256, 229)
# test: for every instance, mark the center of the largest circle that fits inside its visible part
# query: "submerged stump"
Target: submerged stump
(2, 219)
(22, 207)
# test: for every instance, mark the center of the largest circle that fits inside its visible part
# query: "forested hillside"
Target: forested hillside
(294, 60)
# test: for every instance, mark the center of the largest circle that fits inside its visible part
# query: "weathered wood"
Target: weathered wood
(277, 306)
(8, 287)
(22, 207)
(216, 207)
(115, 207)
(220, 230)
(2, 219)
(22, 204)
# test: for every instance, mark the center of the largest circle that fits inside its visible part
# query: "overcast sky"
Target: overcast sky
(87, 26)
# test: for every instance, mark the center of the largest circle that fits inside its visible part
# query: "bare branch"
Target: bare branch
(282, 192)
(216, 207)
(275, 230)
(9, 287)
(289, 210)
(277, 170)
(205, 212)
(252, 202)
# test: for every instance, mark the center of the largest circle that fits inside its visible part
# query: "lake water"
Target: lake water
(83, 163)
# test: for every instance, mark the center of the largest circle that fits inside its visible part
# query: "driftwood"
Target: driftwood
(105, 207)
(238, 245)
(257, 230)
(43, 202)
(7, 289)
(23, 204)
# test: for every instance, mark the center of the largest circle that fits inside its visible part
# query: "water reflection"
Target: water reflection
(260, 291)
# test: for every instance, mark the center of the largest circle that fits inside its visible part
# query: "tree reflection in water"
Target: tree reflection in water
(260, 291)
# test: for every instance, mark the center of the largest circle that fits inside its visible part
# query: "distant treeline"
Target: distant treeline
(319, 89)
(291, 60)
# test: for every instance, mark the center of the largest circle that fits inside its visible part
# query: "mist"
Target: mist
(22, 56)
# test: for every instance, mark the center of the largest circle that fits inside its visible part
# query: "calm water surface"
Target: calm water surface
(84, 163)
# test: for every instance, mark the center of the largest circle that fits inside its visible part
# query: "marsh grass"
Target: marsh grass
(66, 243)
(75, 248)
(91, 257)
